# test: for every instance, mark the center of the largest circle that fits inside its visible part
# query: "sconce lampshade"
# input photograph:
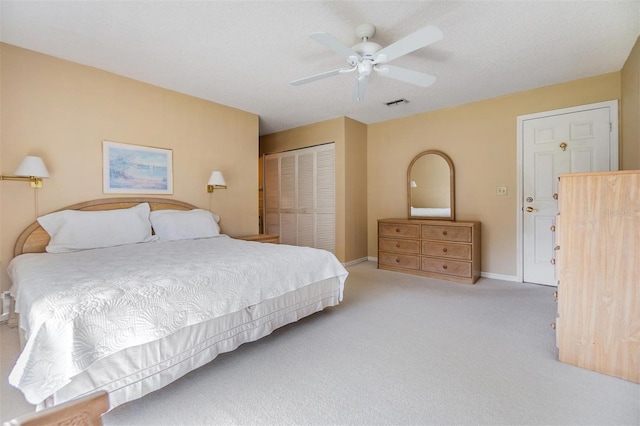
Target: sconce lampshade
(32, 166)
(414, 184)
(216, 180)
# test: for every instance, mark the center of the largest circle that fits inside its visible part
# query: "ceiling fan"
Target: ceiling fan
(368, 56)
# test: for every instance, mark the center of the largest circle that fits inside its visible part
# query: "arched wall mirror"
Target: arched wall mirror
(430, 186)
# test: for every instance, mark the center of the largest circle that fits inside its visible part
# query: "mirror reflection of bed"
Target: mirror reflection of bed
(430, 186)
(127, 295)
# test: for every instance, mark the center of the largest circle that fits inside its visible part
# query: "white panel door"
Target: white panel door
(303, 211)
(562, 143)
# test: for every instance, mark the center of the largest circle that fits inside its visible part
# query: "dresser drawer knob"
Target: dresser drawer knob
(398, 245)
(444, 266)
(397, 229)
(444, 232)
(444, 249)
(397, 260)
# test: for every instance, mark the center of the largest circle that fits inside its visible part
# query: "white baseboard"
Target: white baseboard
(355, 262)
(482, 274)
(499, 276)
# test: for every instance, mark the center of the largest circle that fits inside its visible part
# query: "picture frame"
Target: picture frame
(136, 169)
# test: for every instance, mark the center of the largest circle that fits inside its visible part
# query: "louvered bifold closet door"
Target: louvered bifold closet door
(300, 196)
(272, 195)
(288, 199)
(306, 222)
(325, 182)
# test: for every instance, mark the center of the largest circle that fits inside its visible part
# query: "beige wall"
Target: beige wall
(630, 111)
(355, 191)
(480, 138)
(63, 111)
(349, 137)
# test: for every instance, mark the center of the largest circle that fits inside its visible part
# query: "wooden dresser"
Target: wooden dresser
(598, 266)
(431, 248)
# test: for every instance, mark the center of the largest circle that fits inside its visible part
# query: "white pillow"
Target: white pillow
(73, 230)
(184, 224)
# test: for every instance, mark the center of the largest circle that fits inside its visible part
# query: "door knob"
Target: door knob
(531, 209)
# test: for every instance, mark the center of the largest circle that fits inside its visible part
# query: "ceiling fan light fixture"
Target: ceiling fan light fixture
(364, 68)
(367, 56)
(396, 102)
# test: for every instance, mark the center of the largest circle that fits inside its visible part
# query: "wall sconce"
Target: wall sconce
(32, 169)
(414, 184)
(216, 181)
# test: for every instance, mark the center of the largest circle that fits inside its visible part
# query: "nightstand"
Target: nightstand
(261, 238)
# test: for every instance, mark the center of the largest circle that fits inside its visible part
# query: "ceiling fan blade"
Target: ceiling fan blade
(359, 88)
(406, 75)
(336, 45)
(408, 44)
(320, 76)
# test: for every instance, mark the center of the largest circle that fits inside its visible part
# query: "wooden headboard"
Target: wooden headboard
(34, 239)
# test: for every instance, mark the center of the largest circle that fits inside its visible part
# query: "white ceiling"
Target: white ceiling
(244, 53)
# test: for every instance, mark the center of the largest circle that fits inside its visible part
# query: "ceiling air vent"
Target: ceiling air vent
(396, 102)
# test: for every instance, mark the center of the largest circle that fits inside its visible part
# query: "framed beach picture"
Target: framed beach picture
(136, 169)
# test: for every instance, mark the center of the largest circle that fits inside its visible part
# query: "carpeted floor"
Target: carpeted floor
(399, 350)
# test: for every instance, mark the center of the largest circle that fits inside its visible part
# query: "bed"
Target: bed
(132, 318)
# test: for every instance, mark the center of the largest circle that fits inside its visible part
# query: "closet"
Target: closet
(598, 265)
(299, 196)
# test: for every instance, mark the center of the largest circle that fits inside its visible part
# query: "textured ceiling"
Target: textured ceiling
(244, 53)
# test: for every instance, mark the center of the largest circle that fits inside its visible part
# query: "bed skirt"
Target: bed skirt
(134, 372)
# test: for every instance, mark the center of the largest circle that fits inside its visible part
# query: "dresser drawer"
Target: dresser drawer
(450, 250)
(399, 230)
(399, 245)
(399, 260)
(446, 267)
(446, 233)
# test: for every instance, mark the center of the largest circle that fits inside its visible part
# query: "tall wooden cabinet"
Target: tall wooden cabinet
(598, 261)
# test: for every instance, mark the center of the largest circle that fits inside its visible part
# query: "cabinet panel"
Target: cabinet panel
(446, 233)
(399, 261)
(447, 250)
(446, 266)
(399, 245)
(399, 230)
(599, 291)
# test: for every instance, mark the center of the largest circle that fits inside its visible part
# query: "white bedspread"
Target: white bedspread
(79, 307)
